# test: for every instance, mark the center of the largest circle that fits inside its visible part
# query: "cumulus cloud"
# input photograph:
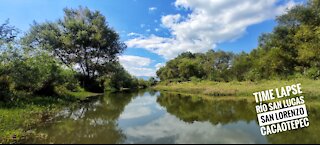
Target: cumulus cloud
(209, 23)
(136, 65)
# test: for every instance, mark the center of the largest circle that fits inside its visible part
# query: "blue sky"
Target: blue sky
(158, 30)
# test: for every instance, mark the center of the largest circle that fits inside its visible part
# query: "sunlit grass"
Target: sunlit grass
(83, 95)
(311, 88)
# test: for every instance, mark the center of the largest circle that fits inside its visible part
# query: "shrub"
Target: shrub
(36, 73)
(30, 74)
(6, 88)
(313, 73)
(66, 78)
(195, 79)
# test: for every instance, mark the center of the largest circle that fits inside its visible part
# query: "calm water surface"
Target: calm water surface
(154, 117)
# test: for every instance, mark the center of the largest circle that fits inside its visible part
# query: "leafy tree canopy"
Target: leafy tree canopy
(81, 40)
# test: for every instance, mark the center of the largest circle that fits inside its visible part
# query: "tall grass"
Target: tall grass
(310, 88)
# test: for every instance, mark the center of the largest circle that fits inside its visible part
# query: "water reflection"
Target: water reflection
(154, 117)
(308, 135)
(169, 129)
(89, 122)
(192, 108)
(169, 118)
(228, 112)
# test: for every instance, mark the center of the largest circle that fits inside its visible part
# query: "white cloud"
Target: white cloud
(148, 30)
(156, 29)
(209, 23)
(136, 65)
(134, 34)
(170, 20)
(152, 9)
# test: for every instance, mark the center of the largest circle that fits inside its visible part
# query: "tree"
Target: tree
(293, 46)
(81, 40)
(152, 81)
(241, 65)
(7, 36)
(7, 33)
(118, 79)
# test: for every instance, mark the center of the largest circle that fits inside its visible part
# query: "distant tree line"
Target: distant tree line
(291, 50)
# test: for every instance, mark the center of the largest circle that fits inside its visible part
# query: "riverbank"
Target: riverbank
(238, 89)
(20, 117)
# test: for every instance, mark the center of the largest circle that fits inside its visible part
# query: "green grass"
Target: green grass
(83, 95)
(16, 123)
(310, 88)
(19, 118)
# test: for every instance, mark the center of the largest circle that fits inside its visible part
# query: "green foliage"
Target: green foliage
(313, 73)
(33, 73)
(142, 83)
(293, 47)
(53, 57)
(241, 65)
(81, 38)
(66, 78)
(152, 81)
(212, 65)
(6, 88)
(7, 33)
(7, 37)
(30, 74)
(118, 79)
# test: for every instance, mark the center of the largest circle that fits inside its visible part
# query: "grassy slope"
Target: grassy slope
(311, 88)
(19, 118)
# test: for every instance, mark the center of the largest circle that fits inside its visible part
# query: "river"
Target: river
(159, 117)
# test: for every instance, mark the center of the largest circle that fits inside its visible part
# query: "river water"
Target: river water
(158, 117)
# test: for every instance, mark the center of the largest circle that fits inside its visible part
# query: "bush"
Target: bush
(118, 79)
(30, 74)
(6, 88)
(313, 73)
(142, 83)
(66, 78)
(36, 73)
(40, 74)
(195, 79)
(152, 81)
